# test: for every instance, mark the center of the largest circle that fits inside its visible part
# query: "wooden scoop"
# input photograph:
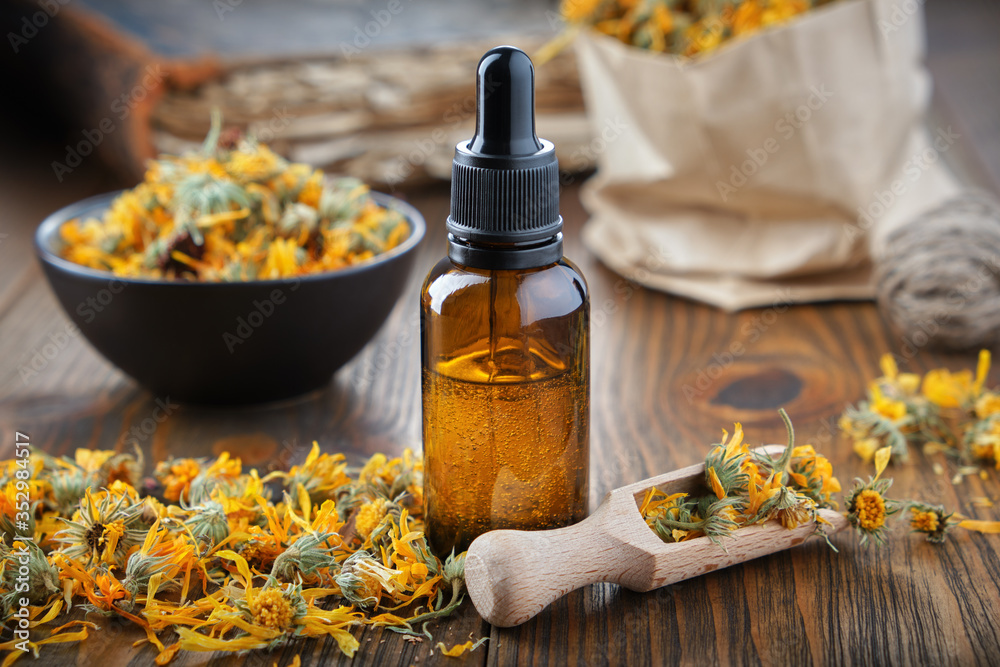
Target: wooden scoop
(512, 574)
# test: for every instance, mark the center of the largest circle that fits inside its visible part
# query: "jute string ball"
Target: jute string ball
(938, 282)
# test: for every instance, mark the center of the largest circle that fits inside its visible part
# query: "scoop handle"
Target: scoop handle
(513, 574)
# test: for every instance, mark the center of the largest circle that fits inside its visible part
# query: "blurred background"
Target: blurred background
(353, 87)
(350, 86)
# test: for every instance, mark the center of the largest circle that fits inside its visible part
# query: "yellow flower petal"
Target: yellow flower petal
(167, 654)
(345, 640)
(865, 448)
(716, 484)
(305, 504)
(456, 650)
(195, 641)
(991, 527)
(241, 566)
(51, 613)
(982, 370)
(882, 460)
(55, 638)
(459, 649)
(908, 382)
(889, 368)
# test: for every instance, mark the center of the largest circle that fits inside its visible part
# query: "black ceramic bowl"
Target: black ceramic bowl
(228, 343)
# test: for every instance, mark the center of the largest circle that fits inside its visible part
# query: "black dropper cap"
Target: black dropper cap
(505, 180)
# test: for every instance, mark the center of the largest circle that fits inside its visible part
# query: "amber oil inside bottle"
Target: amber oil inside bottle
(505, 400)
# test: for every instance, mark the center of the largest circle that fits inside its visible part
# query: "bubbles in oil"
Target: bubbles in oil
(503, 454)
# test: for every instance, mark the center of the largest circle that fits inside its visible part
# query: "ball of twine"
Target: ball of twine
(938, 282)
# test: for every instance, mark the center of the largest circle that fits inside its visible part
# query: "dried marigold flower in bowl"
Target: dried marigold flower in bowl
(230, 275)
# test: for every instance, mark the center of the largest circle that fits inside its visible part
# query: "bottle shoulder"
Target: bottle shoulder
(575, 274)
(556, 289)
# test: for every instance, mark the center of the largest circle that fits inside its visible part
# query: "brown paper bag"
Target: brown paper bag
(764, 172)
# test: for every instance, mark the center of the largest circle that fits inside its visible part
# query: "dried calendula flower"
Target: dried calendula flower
(987, 405)
(159, 560)
(707, 516)
(895, 415)
(454, 568)
(945, 411)
(725, 465)
(176, 476)
(659, 509)
(121, 467)
(69, 485)
(937, 523)
(772, 492)
(42, 579)
(10, 494)
(385, 488)
(957, 390)
(266, 617)
(363, 579)
(812, 474)
(234, 211)
(982, 440)
(931, 520)
(208, 522)
(867, 507)
(103, 529)
(223, 473)
(306, 556)
(63, 481)
(747, 488)
(369, 517)
(791, 508)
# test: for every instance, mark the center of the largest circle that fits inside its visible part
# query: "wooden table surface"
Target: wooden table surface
(663, 388)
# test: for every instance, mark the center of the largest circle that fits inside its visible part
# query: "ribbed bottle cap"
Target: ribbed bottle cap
(505, 180)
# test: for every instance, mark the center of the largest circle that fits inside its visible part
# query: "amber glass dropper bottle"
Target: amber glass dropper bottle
(505, 323)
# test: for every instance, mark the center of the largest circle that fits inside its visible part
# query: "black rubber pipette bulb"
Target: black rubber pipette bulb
(505, 104)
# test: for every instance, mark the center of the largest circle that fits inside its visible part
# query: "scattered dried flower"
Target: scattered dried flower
(950, 412)
(931, 520)
(867, 506)
(225, 567)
